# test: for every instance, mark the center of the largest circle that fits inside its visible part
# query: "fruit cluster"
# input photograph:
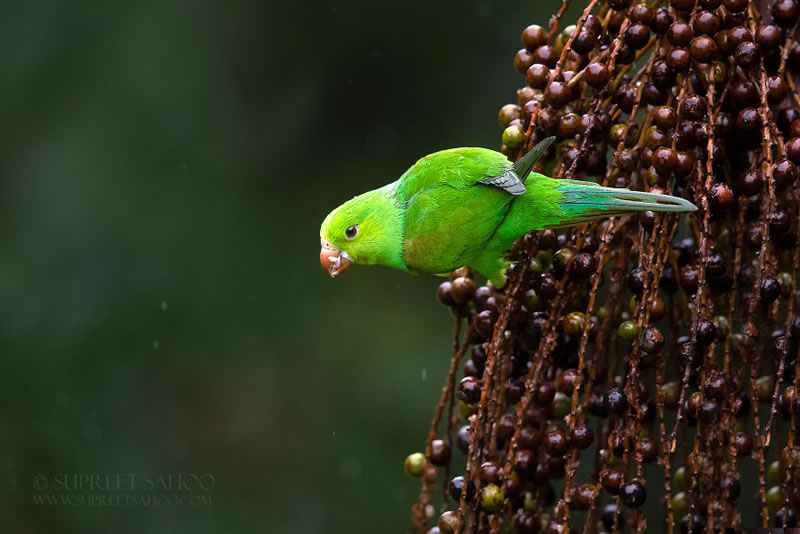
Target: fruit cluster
(647, 361)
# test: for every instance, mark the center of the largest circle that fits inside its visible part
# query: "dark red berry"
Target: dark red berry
(633, 494)
(735, 6)
(747, 54)
(523, 60)
(637, 35)
(793, 149)
(776, 89)
(538, 75)
(596, 75)
(652, 340)
(679, 59)
(662, 19)
(748, 121)
(534, 36)
(545, 55)
(582, 436)
(440, 452)
(703, 49)
(680, 34)
(707, 23)
(664, 160)
(612, 480)
(469, 390)
(770, 289)
(769, 36)
(556, 443)
(558, 94)
(785, 12)
(616, 402)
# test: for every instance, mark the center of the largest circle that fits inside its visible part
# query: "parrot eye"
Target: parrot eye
(351, 231)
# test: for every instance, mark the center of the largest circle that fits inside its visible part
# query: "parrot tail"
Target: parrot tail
(584, 201)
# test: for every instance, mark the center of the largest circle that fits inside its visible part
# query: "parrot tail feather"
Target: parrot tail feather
(583, 202)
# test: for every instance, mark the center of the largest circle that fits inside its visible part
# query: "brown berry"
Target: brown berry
(707, 23)
(545, 55)
(747, 55)
(581, 436)
(523, 60)
(735, 6)
(743, 444)
(679, 59)
(534, 36)
(538, 75)
(769, 36)
(703, 49)
(440, 452)
(596, 75)
(612, 480)
(785, 12)
(665, 118)
(558, 94)
(556, 443)
(637, 35)
(664, 160)
(748, 121)
(662, 19)
(793, 150)
(776, 89)
(680, 34)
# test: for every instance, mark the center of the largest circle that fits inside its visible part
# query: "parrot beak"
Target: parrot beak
(333, 260)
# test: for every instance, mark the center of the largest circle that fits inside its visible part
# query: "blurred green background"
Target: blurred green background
(165, 167)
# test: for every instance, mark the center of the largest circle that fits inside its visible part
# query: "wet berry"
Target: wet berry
(633, 494)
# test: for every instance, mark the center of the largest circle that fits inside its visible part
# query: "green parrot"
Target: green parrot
(467, 206)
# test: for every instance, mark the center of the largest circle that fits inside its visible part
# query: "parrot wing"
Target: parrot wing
(509, 181)
(513, 179)
(450, 215)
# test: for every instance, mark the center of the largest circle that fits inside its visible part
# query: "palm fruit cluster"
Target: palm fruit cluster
(637, 373)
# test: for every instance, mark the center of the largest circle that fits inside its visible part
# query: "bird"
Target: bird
(467, 207)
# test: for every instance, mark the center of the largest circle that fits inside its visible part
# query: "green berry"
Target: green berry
(679, 478)
(680, 504)
(772, 472)
(449, 522)
(492, 497)
(513, 136)
(628, 330)
(415, 464)
(561, 405)
(774, 499)
(465, 410)
(671, 392)
(533, 302)
(764, 387)
(508, 113)
(535, 267)
(573, 323)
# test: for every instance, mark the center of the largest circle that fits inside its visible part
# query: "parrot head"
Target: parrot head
(366, 230)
